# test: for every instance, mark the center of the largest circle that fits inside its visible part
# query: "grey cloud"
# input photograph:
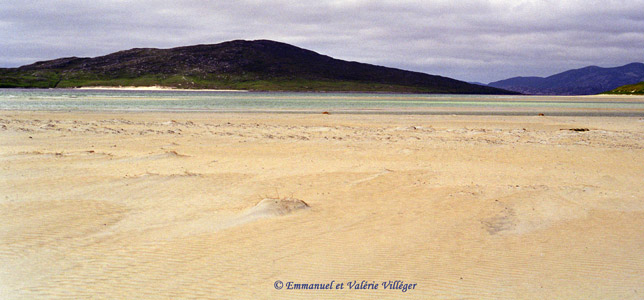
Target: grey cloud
(474, 40)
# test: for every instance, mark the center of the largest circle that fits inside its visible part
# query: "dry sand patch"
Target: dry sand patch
(171, 205)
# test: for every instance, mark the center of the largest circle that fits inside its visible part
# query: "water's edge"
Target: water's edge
(305, 103)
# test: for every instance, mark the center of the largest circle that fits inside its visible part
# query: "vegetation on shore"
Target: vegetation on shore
(53, 79)
(630, 89)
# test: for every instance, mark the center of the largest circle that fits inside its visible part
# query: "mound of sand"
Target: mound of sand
(272, 207)
(267, 208)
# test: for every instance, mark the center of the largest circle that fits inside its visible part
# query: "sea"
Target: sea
(117, 100)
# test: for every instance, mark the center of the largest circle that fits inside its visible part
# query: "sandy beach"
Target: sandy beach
(150, 88)
(227, 206)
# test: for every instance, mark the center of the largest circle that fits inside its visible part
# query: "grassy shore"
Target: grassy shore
(631, 89)
(51, 79)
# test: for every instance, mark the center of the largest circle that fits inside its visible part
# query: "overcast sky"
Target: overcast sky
(473, 40)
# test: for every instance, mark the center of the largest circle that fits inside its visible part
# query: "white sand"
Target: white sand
(152, 88)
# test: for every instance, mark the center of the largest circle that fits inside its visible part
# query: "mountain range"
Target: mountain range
(585, 81)
(249, 65)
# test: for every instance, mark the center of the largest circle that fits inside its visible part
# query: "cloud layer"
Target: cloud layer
(473, 40)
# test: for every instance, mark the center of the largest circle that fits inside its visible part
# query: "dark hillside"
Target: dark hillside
(253, 65)
(585, 81)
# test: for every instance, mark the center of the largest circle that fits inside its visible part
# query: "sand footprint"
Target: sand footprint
(526, 212)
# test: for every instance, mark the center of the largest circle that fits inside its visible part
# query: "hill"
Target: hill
(251, 65)
(585, 81)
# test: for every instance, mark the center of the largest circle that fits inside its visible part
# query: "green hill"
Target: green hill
(630, 89)
(250, 65)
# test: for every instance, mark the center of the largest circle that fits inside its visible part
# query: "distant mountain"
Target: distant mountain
(250, 65)
(585, 81)
(630, 89)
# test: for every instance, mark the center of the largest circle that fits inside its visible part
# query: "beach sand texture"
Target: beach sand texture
(189, 205)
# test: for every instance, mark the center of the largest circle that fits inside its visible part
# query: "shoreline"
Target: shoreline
(365, 112)
(621, 97)
(151, 88)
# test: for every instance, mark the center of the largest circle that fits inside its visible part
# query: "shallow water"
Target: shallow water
(211, 101)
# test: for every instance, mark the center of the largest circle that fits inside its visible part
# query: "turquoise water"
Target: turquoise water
(208, 101)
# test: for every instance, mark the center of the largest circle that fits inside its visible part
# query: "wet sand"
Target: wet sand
(206, 205)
